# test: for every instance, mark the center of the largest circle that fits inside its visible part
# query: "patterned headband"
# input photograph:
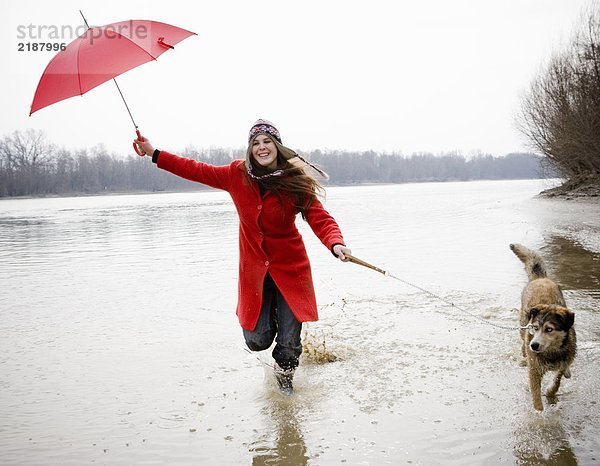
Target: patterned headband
(264, 126)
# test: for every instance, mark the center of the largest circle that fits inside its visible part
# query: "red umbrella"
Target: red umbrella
(102, 53)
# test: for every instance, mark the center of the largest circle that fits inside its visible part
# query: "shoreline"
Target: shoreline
(579, 188)
(585, 188)
(207, 189)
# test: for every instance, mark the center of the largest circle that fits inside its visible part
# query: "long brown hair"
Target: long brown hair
(294, 182)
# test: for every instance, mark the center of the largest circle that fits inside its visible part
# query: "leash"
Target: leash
(386, 273)
(258, 359)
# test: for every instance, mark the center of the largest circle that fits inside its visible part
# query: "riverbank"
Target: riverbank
(575, 188)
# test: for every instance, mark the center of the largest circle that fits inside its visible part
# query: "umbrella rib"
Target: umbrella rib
(78, 72)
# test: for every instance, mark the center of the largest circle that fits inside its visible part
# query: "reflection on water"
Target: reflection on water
(120, 343)
(283, 443)
(543, 441)
(574, 267)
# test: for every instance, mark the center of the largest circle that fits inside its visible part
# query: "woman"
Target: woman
(275, 287)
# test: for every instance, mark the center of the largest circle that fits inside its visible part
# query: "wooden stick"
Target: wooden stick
(358, 261)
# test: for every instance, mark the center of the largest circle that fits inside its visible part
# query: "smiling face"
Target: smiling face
(264, 151)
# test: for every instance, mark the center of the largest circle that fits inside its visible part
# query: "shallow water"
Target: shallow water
(120, 344)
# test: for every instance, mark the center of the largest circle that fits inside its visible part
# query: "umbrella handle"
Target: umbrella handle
(136, 148)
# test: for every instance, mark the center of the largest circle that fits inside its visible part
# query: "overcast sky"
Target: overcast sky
(401, 76)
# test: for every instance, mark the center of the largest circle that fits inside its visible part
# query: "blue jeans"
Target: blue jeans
(276, 322)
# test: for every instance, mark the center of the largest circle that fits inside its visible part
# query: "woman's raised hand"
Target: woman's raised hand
(144, 145)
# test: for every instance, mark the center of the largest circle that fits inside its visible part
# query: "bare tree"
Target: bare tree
(23, 156)
(560, 114)
(26, 150)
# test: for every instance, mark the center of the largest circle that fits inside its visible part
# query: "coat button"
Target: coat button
(259, 207)
(267, 263)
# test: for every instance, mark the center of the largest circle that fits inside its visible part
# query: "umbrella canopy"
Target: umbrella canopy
(101, 54)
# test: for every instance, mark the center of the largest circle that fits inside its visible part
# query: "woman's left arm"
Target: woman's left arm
(326, 229)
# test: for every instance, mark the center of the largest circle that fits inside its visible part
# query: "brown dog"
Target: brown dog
(551, 343)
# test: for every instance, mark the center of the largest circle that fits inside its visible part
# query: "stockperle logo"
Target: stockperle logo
(52, 37)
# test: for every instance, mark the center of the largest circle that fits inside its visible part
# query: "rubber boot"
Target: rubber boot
(284, 380)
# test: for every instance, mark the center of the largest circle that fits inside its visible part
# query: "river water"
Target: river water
(119, 342)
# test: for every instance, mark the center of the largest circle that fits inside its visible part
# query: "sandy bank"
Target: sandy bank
(584, 187)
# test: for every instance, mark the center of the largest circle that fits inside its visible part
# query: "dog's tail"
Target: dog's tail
(534, 265)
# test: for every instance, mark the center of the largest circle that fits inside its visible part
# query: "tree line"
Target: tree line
(32, 166)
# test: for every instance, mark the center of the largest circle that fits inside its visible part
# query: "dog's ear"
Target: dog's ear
(534, 311)
(568, 318)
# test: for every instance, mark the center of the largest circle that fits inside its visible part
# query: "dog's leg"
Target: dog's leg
(523, 361)
(535, 386)
(551, 393)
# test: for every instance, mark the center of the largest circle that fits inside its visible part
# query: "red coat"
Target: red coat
(269, 240)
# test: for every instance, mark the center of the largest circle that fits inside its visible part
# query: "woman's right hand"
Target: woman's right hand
(144, 144)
